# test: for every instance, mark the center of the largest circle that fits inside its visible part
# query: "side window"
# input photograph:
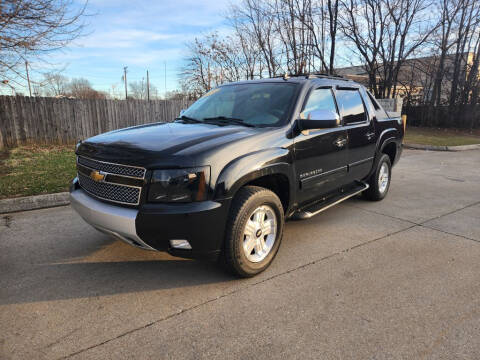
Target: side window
(351, 106)
(320, 99)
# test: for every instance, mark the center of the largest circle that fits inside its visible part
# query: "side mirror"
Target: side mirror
(182, 112)
(319, 119)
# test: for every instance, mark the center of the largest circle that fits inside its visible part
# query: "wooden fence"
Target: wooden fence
(459, 117)
(38, 120)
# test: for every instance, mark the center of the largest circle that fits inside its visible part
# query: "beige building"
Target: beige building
(416, 76)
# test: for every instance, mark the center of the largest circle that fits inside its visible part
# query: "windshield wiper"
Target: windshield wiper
(188, 119)
(228, 120)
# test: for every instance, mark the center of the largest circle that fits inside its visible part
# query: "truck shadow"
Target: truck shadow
(81, 263)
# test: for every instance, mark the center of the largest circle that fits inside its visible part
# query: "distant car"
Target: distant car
(220, 180)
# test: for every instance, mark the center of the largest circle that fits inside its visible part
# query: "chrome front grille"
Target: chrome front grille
(117, 169)
(112, 192)
(113, 187)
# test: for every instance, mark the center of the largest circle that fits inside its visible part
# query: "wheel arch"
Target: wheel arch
(386, 138)
(390, 148)
(270, 169)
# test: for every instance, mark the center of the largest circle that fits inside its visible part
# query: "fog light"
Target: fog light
(180, 244)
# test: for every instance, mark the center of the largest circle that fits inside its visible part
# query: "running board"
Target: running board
(318, 207)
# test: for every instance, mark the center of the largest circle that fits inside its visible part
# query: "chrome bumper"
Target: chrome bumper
(113, 220)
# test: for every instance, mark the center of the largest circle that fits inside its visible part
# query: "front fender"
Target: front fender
(253, 166)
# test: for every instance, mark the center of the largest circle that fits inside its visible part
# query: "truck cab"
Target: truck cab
(220, 181)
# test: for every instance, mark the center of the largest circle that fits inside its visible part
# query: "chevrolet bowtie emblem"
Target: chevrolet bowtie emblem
(97, 176)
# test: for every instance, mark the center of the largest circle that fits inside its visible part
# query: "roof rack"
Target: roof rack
(318, 75)
(326, 76)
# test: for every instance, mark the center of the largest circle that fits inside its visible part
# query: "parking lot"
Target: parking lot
(395, 279)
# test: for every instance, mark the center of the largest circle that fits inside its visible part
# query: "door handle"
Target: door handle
(340, 142)
(370, 135)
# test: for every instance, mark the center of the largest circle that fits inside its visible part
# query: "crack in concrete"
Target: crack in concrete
(61, 338)
(410, 221)
(194, 307)
(449, 233)
(451, 212)
(423, 223)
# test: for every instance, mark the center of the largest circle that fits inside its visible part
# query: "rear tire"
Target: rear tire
(254, 231)
(380, 180)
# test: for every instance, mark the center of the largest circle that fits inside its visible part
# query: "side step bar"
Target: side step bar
(318, 207)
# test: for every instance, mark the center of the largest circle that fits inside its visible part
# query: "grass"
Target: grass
(440, 137)
(33, 170)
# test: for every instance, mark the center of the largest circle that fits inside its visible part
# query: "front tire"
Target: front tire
(380, 180)
(254, 231)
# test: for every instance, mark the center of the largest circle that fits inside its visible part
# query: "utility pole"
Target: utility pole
(148, 87)
(28, 78)
(125, 79)
(165, 63)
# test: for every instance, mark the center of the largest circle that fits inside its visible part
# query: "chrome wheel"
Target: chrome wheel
(383, 178)
(260, 233)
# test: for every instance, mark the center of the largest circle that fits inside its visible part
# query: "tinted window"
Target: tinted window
(351, 106)
(320, 99)
(259, 104)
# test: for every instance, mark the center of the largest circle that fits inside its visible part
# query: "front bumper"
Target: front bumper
(113, 220)
(152, 226)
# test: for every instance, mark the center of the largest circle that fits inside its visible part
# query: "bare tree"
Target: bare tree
(82, 89)
(31, 28)
(317, 29)
(258, 18)
(471, 90)
(269, 39)
(385, 33)
(465, 72)
(55, 84)
(250, 54)
(138, 90)
(211, 62)
(444, 40)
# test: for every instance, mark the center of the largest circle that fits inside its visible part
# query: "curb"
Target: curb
(441, 148)
(34, 202)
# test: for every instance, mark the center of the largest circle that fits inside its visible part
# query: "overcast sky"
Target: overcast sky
(141, 35)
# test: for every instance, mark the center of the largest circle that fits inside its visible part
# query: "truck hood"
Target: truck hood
(161, 143)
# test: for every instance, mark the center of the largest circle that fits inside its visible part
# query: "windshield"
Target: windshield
(254, 104)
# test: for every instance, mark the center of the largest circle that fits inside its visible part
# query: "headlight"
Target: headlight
(179, 185)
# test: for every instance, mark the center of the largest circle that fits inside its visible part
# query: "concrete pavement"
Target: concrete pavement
(394, 279)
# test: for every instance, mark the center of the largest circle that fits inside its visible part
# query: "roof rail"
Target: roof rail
(318, 75)
(326, 76)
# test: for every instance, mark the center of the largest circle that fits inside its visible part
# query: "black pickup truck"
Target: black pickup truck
(220, 181)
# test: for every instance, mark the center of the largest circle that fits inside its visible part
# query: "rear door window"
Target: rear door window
(351, 106)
